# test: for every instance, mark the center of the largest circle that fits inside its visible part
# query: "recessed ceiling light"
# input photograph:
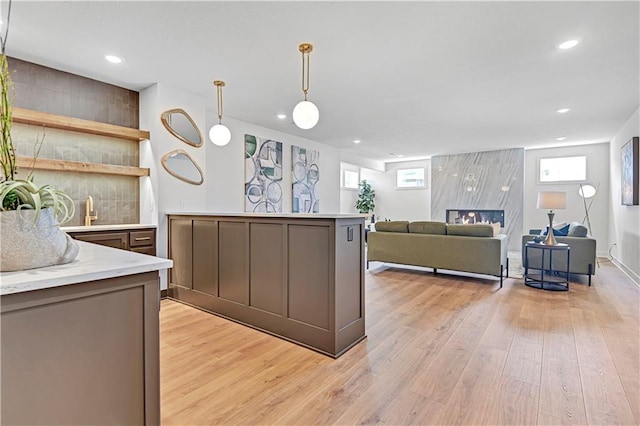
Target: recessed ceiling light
(561, 138)
(113, 59)
(568, 44)
(563, 110)
(356, 141)
(281, 116)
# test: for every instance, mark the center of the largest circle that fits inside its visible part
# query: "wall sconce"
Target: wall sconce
(305, 113)
(219, 134)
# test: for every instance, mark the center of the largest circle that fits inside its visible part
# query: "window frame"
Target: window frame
(561, 181)
(343, 180)
(424, 178)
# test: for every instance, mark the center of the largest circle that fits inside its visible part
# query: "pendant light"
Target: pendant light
(305, 114)
(219, 134)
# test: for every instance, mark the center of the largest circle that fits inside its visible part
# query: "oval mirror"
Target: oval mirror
(181, 125)
(180, 164)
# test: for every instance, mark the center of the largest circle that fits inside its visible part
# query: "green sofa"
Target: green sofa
(476, 248)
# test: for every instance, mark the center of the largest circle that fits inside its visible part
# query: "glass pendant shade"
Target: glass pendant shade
(220, 135)
(306, 115)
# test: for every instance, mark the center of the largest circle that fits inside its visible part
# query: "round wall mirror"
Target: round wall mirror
(180, 165)
(181, 125)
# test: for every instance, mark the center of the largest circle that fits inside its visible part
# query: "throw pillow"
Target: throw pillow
(562, 232)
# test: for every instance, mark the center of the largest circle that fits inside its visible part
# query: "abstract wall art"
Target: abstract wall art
(629, 166)
(262, 175)
(305, 176)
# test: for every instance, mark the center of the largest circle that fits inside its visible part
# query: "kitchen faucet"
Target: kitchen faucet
(89, 215)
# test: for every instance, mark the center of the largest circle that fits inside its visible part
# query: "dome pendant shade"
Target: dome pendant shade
(220, 134)
(306, 115)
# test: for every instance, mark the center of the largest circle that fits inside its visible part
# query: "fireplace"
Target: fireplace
(475, 216)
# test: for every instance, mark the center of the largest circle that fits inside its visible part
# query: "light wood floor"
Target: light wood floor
(440, 350)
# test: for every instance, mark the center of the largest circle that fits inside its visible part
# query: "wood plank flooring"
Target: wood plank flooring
(441, 350)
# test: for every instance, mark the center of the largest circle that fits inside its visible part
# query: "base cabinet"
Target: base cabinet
(298, 278)
(138, 240)
(82, 354)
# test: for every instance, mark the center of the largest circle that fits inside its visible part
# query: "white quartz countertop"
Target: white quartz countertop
(275, 215)
(94, 262)
(105, 227)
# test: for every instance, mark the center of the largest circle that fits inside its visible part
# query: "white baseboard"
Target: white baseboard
(628, 272)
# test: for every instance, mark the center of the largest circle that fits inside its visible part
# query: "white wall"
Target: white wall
(225, 168)
(597, 173)
(399, 204)
(348, 197)
(162, 193)
(624, 223)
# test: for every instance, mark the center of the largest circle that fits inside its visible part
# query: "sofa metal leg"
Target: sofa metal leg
(590, 272)
(507, 267)
(435, 271)
(500, 279)
(367, 264)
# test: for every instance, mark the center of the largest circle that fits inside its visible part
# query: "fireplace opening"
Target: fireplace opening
(475, 216)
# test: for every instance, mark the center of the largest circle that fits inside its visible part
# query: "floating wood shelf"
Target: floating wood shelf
(76, 166)
(26, 116)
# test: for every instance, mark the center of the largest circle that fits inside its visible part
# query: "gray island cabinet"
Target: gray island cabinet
(299, 277)
(80, 342)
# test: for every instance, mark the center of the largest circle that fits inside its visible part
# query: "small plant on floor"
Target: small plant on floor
(366, 198)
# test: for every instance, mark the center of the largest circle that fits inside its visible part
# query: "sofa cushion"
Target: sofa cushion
(577, 230)
(393, 226)
(437, 228)
(474, 230)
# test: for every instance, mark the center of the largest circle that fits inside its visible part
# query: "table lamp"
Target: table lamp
(551, 200)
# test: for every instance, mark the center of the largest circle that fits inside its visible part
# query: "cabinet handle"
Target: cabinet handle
(142, 238)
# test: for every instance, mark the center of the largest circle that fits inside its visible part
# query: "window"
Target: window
(410, 178)
(350, 179)
(563, 169)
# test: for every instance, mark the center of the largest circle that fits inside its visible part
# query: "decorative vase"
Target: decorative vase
(26, 243)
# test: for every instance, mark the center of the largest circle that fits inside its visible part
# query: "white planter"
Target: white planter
(28, 244)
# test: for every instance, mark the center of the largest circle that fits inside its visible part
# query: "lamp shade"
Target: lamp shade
(552, 200)
(306, 115)
(587, 191)
(220, 134)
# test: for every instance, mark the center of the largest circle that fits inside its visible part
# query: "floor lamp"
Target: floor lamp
(587, 191)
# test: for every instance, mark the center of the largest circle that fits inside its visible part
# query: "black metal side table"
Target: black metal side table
(545, 277)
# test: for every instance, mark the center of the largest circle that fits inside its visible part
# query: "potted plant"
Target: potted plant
(366, 198)
(30, 215)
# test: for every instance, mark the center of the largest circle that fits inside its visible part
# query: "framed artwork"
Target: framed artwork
(305, 176)
(262, 175)
(629, 182)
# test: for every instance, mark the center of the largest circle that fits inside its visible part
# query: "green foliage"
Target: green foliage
(22, 194)
(366, 196)
(7, 151)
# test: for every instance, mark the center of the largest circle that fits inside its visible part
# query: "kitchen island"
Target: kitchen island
(296, 276)
(80, 342)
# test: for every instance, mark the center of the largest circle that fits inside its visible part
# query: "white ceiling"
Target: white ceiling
(413, 78)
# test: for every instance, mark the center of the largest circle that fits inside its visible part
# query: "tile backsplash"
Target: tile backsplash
(116, 198)
(39, 88)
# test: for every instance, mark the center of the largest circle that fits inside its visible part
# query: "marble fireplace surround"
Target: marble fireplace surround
(486, 180)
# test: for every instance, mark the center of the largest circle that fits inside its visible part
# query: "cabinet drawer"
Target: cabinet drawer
(142, 238)
(145, 250)
(109, 239)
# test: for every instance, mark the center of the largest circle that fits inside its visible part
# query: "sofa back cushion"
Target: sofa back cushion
(474, 230)
(437, 228)
(393, 226)
(577, 230)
